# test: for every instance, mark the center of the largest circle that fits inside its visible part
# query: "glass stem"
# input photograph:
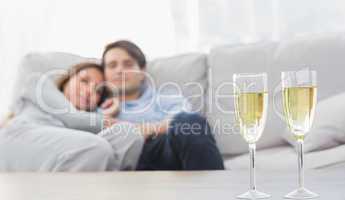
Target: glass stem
(300, 143)
(252, 149)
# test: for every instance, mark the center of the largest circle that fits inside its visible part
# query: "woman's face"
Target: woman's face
(83, 89)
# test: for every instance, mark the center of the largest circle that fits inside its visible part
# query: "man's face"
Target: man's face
(122, 72)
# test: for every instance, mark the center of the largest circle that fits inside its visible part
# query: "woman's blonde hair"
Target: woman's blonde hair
(75, 69)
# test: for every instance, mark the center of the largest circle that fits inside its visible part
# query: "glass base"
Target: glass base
(301, 193)
(254, 194)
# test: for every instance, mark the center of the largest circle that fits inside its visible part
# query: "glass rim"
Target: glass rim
(250, 74)
(287, 72)
(300, 86)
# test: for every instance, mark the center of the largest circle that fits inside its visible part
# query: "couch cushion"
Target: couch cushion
(323, 53)
(224, 62)
(328, 130)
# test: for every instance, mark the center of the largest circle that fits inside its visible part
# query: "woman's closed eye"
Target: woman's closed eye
(85, 80)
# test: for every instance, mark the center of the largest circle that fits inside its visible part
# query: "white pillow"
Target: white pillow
(39, 63)
(328, 129)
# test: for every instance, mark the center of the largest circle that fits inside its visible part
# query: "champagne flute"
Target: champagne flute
(251, 99)
(299, 101)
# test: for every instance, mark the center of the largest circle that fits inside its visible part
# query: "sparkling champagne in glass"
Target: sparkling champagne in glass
(251, 101)
(299, 101)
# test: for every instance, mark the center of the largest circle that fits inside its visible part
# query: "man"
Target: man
(175, 138)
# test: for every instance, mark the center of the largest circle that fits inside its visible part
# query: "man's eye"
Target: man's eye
(84, 81)
(129, 65)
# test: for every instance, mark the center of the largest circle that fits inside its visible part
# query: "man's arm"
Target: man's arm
(171, 109)
(154, 129)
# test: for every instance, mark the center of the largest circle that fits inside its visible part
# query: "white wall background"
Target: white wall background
(160, 27)
(81, 27)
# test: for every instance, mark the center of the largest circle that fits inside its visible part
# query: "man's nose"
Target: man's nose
(119, 69)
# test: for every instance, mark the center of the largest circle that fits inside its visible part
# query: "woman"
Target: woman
(53, 125)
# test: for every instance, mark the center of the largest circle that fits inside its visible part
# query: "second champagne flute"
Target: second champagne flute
(299, 100)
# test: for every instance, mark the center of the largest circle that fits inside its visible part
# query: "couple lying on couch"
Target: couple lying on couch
(78, 124)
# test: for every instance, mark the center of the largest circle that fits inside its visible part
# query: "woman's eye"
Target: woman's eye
(84, 81)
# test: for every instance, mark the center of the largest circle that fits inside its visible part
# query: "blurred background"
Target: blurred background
(161, 27)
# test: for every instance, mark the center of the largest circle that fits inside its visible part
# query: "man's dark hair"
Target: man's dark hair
(132, 49)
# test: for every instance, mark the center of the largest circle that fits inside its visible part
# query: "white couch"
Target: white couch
(324, 53)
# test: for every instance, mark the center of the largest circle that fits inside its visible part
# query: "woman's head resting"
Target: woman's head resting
(83, 85)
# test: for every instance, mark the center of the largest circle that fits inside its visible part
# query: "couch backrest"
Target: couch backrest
(178, 70)
(187, 72)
